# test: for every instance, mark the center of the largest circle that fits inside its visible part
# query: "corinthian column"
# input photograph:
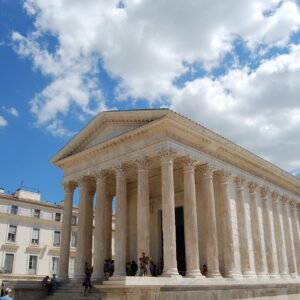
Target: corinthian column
(190, 221)
(242, 229)
(143, 208)
(260, 262)
(64, 253)
(288, 236)
(210, 222)
(296, 235)
(85, 223)
(271, 259)
(280, 246)
(99, 235)
(108, 226)
(121, 223)
(168, 214)
(226, 221)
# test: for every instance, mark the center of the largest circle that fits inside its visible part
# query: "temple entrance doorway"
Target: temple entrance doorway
(180, 243)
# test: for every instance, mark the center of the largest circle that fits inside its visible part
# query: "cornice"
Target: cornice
(206, 141)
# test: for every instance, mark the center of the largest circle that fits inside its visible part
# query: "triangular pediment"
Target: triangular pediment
(106, 126)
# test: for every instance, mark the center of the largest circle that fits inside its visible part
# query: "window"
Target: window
(9, 262)
(56, 240)
(32, 266)
(12, 231)
(37, 213)
(14, 209)
(35, 239)
(74, 220)
(54, 267)
(57, 217)
(73, 239)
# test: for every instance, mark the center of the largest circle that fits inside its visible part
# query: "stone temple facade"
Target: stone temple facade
(183, 193)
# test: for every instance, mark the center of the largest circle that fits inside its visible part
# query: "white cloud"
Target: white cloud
(147, 45)
(258, 109)
(11, 110)
(3, 122)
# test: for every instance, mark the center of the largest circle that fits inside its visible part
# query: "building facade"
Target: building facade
(183, 194)
(31, 235)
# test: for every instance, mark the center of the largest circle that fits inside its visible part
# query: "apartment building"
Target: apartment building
(30, 235)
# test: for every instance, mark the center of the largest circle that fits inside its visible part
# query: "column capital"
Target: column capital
(206, 170)
(100, 176)
(252, 186)
(69, 186)
(142, 163)
(265, 192)
(84, 180)
(225, 176)
(293, 203)
(189, 164)
(120, 170)
(274, 196)
(167, 155)
(239, 181)
(284, 200)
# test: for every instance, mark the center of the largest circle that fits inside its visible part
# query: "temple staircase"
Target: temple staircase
(74, 291)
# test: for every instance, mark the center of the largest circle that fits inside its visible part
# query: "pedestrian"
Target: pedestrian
(7, 294)
(134, 268)
(87, 280)
(106, 267)
(2, 289)
(204, 272)
(47, 284)
(53, 282)
(160, 267)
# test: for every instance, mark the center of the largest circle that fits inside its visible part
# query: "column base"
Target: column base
(293, 275)
(213, 275)
(262, 276)
(284, 275)
(249, 275)
(232, 275)
(119, 274)
(173, 272)
(274, 276)
(194, 274)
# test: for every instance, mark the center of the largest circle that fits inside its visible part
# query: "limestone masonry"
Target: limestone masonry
(184, 194)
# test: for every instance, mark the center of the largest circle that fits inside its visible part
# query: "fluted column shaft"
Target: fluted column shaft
(121, 223)
(226, 221)
(143, 244)
(260, 262)
(210, 222)
(108, 227)
(296, 234)
(85, 223)
(99, 236)
(168, 214)
(242, 229)
(63, 270)
(269, 244)
(288, 237)
(190, 221)
(280, 246)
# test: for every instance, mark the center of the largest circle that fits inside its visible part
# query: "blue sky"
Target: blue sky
(233, 67)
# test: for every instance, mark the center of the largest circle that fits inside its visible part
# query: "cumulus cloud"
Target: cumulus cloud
(259, 108)
(147, 46)
(11, 110)
(3, 122)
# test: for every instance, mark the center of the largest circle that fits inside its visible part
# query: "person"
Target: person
(134, 268)
(106, 267)
(87, 280)
(112, 267)
(7, 294)
(143, 265)
(2, 289)
(204, 270)
(160, 267)
(47, 284)
(53, 282)
(153, 268)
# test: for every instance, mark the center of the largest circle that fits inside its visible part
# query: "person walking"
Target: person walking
(7, 294)
(87, 280)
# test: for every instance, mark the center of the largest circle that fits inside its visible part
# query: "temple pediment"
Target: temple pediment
(106, 126)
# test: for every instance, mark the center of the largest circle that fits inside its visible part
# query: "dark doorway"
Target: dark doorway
(180, 245)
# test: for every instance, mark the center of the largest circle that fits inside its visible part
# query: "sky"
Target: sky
(232, 66)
